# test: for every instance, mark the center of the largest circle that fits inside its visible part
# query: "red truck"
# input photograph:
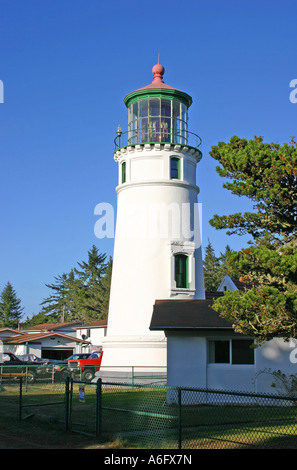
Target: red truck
(86, 365)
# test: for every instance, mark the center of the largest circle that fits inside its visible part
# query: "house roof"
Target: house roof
(187, 315)
(11, 330)
(234, 284)
(94, 324)
(243, 286)
(50, 326)
(29, 337)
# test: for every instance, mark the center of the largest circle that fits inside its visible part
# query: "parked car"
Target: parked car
(61, 366)
(11, 364)
(32, 359)
(86, 365)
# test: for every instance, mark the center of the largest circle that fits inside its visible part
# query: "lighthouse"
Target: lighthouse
(157, 248)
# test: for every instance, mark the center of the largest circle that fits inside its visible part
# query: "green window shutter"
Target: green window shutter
(187, 272)
(124, 172)
(178, 169)
(181, 271)
(175, 168)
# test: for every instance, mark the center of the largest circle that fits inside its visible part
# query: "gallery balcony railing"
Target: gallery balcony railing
(140, 137)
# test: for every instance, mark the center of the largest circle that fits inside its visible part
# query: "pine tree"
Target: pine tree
(267, 175)
(92, 271)
(105, 290)
(223, 270)
(211, 265)
(10, 307)
(83, 293)
(91, 276)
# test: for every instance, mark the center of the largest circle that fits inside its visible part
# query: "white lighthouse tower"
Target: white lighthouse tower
(157, 249)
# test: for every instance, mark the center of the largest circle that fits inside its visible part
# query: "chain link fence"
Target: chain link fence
(150, 416)
(160, 417)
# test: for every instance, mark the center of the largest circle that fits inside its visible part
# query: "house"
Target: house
(232, 284)
(203, 351)
(93, 332)
(7, 332)
(48, 340)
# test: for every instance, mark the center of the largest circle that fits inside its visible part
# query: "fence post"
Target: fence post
(179, 418)
(67, 394)
(70, 403)
(21, 398)
(98, 407)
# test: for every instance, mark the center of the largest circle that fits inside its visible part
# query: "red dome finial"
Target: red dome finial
(158, 72)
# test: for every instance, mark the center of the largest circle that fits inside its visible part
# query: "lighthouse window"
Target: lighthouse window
(174, 168)
(124, 172)
(181, 271)
(157, 120)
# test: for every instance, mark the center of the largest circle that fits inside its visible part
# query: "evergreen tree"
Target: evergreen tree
(91, 276)
(223, 270)
(10, 307)
(82, 294)
(92, 271)
(267, 175)
(105, 290)
(211, 265)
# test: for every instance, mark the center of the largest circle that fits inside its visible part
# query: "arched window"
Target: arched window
(175, 168)
(182, 271)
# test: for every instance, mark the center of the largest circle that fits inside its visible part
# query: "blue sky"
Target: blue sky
(66, 66)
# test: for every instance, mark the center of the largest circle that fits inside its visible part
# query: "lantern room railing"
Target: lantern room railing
(151, 136)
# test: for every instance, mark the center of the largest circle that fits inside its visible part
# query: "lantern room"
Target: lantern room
(157, 113)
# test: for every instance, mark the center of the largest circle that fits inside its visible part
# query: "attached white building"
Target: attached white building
(203, 351)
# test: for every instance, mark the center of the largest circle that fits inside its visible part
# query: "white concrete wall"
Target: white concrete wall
(188, 366)
(150, 226)
(141, 262)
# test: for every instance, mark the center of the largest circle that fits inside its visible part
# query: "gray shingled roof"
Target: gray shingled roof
(186, 314)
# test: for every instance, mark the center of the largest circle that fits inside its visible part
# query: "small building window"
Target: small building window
(181, 271)
(236, 351)
(219, 352)
(242, 351)
(124, 172)
(175, 168)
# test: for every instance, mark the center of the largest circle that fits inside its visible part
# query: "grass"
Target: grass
(153, 423)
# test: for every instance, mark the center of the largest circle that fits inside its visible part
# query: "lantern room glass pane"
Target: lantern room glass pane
(143, 108)
(166, 108)
(154, 107)
(135, 110)
(176, 110)
(165, 129)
